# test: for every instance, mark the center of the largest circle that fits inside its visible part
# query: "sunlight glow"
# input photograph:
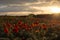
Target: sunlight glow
(48, 9)
(54, 9)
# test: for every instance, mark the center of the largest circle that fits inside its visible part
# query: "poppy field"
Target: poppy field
(31, 27)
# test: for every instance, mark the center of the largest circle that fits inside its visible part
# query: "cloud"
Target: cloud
(16, 1)
(19, 13)
(27, 7)
(9, 7)
(6, 8)
(23, 1)
(15, 13)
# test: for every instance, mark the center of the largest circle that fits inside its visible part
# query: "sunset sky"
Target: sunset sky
(25, 7)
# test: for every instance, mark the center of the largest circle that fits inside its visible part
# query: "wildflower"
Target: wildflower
(6, 30)
(20, 22)
(44, 26)
(8, 25)
(16, 28)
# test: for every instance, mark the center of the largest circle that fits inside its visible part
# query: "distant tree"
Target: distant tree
(31, 16)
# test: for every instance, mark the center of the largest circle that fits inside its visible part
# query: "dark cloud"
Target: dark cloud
(21, 1)
(17, 9)
(16, 1)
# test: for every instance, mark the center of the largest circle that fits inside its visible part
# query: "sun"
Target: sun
(55, 9)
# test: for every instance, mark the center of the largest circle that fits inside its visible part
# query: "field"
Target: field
(31, 27)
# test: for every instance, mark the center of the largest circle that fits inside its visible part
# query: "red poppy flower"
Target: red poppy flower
(16, 28)
(8, 25)
(44, 26)
(30, 26)
(24, 26)
(6, 30)
(20, 22)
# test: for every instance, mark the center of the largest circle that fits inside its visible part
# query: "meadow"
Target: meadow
(31, 27)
